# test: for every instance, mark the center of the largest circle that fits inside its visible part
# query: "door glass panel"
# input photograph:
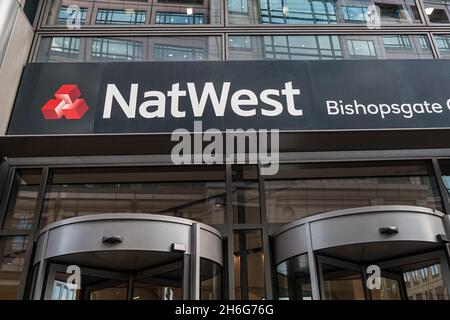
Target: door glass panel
(20, 211)
(210, 280)
(12, 257)
(342, 284)
(62, 290)
(390, 290)
(294, 279)
(166, 285)
(149, 291)
(111, 292)
(425, 283)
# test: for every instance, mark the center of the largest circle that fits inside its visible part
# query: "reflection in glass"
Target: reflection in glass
(142, 12)
(167, 285)
(437, 11)
(320, 11)
(425, 283)
(294, 279)
(328, 47)
(248, 265)
(342, 284)
(12, 257)
(22, 202)
(443, 45)
(298, 191)
(115, 16)
(179, 192)
(210, 280)
(245, 189)
(117, 49)
(389, 290)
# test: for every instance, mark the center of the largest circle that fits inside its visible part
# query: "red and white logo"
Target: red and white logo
(67, 104)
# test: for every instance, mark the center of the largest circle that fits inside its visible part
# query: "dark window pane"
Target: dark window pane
(437, 11)
(22, 202)
(245, 191)
(249, 265)
(196, 194)
(12, 256)
(298, 191)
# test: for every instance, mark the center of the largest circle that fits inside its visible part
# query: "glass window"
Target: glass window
(12, 257)
(302, 190)
(328, 47)
(421, 286)
(294, 279)
(65, 46)
(22, 201)
(178, 18)
(437, 11)
(340, 283)
(362, 48)
(240, 42)
(114, 16)
(170, 48)
(355, 14)
(68, 14)
(245, 189)
(238, 6)
(177, 53)
(321, 11)
(192, 193)
(134, 13)
(397, 42)
(248, 265)
(116, 49)
(443, 45)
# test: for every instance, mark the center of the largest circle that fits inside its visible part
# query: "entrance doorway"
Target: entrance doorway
(370, 253)
(128, 257)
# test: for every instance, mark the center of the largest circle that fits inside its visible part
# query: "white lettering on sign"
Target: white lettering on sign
(243, 102)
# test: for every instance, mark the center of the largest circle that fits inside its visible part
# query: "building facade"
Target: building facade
(358, 208)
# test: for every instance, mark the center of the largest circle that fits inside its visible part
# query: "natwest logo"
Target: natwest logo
(67, 104)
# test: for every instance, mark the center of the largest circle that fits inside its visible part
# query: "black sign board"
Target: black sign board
(160, 97)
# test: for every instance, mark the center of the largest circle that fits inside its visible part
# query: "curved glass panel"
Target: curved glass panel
(210, 280)
(294, 279)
